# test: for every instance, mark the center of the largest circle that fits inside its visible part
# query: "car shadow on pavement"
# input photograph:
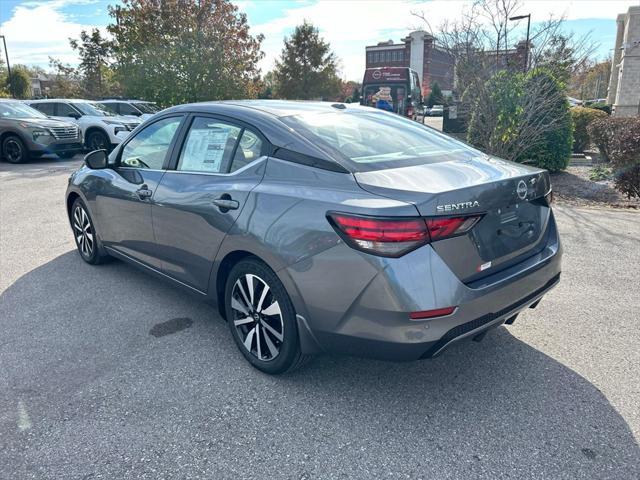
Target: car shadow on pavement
(77, 351)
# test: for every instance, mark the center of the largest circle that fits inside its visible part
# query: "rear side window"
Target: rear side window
(377, 140)
(46, 108)
(249, 148)
(209, 146)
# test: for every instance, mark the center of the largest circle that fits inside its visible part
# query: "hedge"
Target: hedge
(618, 139)
(581, 118)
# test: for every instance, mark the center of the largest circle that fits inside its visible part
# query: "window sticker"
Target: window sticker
(205, 149)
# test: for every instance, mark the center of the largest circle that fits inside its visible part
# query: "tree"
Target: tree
(435, 96)
(347, 91)
(178, 51)
(4, 91)
(524, 118)
(94, 51)
(307, 68)
(268, 86)
(19, 82)
(66, 81)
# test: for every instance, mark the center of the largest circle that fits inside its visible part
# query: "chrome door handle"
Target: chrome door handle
(144, 192)
(226, 203)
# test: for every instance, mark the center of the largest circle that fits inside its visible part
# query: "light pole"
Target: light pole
(526, 52)
(6, 54)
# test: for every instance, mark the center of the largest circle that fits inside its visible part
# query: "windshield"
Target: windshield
(93, 108)
(376, 140)
(18, 110)
(145, 107)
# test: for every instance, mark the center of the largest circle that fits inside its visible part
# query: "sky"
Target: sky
(38, 29)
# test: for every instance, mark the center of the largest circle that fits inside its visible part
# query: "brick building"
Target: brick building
(624, 86)
(419, 52)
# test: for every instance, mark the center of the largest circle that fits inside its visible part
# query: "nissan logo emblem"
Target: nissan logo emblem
(376, 74)
(521, 190)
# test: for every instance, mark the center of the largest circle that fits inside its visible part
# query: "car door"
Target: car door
(202, 194)
(124, 202)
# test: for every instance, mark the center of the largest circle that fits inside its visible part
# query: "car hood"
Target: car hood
(42, 122)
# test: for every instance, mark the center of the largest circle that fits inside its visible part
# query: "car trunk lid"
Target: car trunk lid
(508, 195)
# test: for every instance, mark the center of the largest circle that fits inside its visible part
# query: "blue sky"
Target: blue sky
(37, 29)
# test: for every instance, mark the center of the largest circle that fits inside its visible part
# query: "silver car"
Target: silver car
(26, 133)
(319, 227)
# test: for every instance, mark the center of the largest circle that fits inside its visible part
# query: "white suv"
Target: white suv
(137, 108)
(101, 129)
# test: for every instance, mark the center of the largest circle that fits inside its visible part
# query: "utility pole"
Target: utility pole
(6, 54)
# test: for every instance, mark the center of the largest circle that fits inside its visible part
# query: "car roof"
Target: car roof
(277, 108)
(123, 100)
(68, 100)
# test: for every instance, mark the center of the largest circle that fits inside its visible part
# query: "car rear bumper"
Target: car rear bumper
(364, 309)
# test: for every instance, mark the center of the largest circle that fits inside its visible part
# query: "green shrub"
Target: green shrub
(599, 172)
(581, 118)
(524, 118)
(618, 139)
(553, 149)
(601, 106)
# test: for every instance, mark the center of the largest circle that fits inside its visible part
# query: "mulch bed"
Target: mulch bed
(573, 187)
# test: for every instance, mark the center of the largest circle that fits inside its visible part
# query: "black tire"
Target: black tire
(267, 325)
(85, 236)
(97, 140)
(66, 154)
(13, 150)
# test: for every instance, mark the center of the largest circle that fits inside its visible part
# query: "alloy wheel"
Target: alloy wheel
(257, 317)
(83, 232)
(13, 151)
(97, 142)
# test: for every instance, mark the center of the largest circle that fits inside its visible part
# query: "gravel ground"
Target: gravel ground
(574, 187)
(96, 385)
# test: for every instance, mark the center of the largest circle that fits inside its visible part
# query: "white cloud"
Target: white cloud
(350, 25)
(39, 30)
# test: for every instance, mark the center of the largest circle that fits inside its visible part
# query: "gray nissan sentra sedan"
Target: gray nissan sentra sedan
(319, 227)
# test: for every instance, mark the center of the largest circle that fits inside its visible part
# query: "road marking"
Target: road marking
(24, 422)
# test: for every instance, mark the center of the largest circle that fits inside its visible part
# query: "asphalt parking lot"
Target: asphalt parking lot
(89, 389)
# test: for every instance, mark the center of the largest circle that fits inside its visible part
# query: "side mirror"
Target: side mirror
(73, 115)
(96, 159)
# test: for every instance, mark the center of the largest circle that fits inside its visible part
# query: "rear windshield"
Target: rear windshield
(377, 140)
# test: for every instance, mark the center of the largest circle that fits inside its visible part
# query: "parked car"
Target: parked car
(100, 127)
(322, 227)
(25, 132)
(435, 111)
(136, 108)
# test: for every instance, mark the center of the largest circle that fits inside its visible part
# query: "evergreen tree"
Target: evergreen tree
(307, 68)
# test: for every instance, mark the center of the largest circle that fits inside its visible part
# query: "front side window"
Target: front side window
(149, 148)
(66, 110)
(93, 108)
(209, 146)
(126, 109)
(377, 140)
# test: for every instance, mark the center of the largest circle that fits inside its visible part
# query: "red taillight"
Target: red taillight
(393, 237)
(438, 312)
(440, 228)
